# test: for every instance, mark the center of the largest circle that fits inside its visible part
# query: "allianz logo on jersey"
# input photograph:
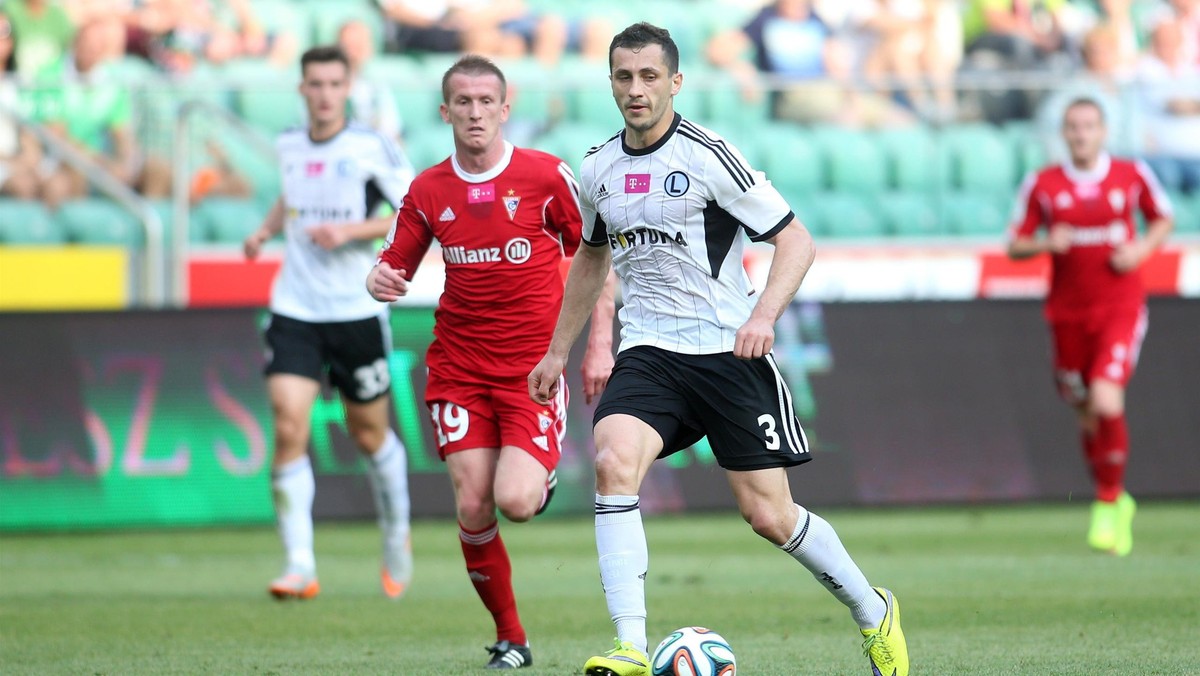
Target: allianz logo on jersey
(516, 251)
(1114, 233)
(627, 239)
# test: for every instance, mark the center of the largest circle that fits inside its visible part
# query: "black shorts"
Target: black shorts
(742, 406)
(355, 353)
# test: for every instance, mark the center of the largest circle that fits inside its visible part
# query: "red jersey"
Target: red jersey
(503, 235)
(1099, 205)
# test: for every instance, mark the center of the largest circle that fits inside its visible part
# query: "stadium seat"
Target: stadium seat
(264, 96)
(1187, 212)
(327, 17)
(846, 216)
(853, 159)
(534, 93)
(428, 145)
(285, 17)
(417, 93)
(571, 141)
(913, 159)
(94, 220)
(974, 215)
(728, 110)
(790, 159)
(981, 158)
(909, 214)
(225, 221)
(28, 222)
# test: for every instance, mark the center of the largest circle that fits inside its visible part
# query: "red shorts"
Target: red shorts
(1104, 346)
(475, 415)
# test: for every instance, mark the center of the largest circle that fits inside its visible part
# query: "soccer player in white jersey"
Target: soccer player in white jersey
(335, 174)
(664, 202)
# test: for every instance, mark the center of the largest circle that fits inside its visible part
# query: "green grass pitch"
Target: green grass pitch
(983, 590)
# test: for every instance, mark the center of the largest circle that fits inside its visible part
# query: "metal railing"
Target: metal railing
(180, 167)
(152, 289)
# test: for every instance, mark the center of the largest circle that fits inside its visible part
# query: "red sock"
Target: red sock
(491, 573)
(1107, 453)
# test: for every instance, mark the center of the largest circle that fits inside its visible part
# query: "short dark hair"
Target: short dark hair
(641, 34)
(324, 54)
(474, 65)
(1082, 101)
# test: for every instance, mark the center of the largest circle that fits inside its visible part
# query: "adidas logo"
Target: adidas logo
(603, 192)
(447, 215)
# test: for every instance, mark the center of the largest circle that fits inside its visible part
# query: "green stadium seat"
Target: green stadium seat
(264, 95)
(974, 215)
(847, 216)
(727, 108)
(428, 145)
(913, 159)
(417, 93)
(534, 93)
(95, 220)
(790, 159)
(285, 17)
(571, 141)
(981, 158)
(854, 160)
(225, 220)
(28, 222)
(909, 214)
(327, 17)
(1187, 212)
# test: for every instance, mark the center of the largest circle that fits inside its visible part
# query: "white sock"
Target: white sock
(624, 560)
(387, 472)
(817, 547)
(293, 488)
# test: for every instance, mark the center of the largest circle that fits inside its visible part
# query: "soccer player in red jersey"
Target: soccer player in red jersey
(505, 218)
(1096, 307)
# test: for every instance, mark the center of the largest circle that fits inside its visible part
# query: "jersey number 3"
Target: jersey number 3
(768, 422)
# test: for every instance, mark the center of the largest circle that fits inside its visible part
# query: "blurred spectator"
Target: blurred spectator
(371, 102)
(1170, 88)
(919, 43)
(494, 28)
(43, 32)
(77, 103)
(808, 72)
(1105, 80)
(1187, 13)
(1006, 36)
(178, 34)
(25, 173)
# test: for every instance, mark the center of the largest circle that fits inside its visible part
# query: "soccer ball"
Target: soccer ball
(693, 651)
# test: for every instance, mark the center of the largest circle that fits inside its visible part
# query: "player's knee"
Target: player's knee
(290, 431)
(516, 509)
(768, 523)
(1106, 402)
(475, 511)
(616, 471)
(368, 438)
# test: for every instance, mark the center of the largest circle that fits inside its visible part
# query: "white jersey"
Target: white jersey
(339, 180)
(673, 214)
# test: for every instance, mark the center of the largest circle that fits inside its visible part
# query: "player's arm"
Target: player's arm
(1156, 207)
(330, 236)
(404, 247)
(585, 282)
(391, 175)
(794, 254)
(1131, 255)
(1025, 242)
(598, 358)
(272, 225)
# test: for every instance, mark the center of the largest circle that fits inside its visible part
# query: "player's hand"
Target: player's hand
(253, 244)
(387, 284)
(596, 369)
(754, 339)
(1058, 240)
(543, 379)
(328, 236)
(1127, 257)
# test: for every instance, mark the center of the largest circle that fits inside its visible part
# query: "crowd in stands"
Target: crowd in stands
(865, 64)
